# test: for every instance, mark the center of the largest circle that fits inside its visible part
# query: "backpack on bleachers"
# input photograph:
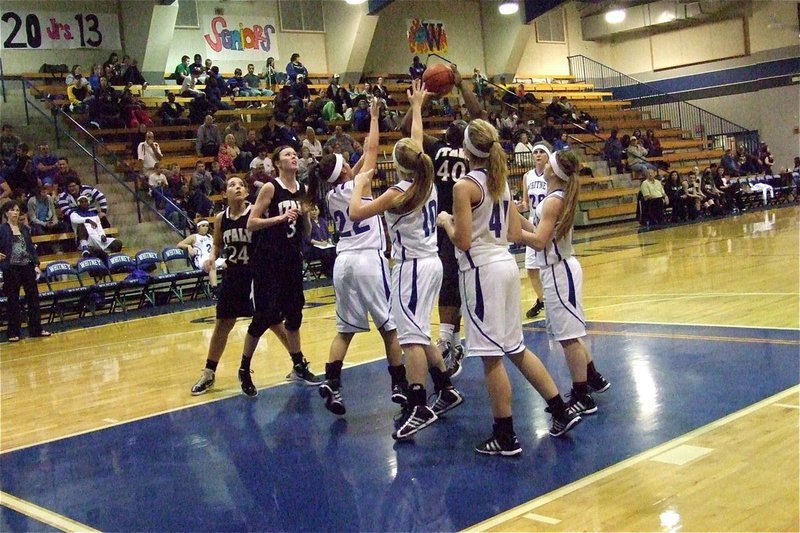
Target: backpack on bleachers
(47, 68)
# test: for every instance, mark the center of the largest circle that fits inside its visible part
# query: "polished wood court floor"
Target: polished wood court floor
(739, 271)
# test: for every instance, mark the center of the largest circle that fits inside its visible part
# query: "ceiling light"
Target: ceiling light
(508, 7)
(355, 2)
(615, 16)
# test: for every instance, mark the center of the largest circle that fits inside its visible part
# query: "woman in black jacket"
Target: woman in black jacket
(20, 265)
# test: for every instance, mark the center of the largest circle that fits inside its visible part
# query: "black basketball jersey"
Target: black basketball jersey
(449, 164)
(286, 238)
(236, 239)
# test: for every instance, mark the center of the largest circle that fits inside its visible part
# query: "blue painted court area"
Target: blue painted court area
(282, 462)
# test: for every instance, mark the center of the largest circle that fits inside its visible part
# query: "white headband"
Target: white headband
(477, 152)
(543, 148)
(557, 169)
(400, 167)
(337, 168)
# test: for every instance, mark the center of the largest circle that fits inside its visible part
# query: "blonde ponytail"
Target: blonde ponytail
(481, 138)
(569, 163)
(410, 156)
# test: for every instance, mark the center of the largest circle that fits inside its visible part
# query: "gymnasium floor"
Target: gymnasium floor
(696, 326)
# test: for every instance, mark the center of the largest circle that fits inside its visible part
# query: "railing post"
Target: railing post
(138, 204)
(25, 100)
(94, 160)
(55, 126)
(2, 80)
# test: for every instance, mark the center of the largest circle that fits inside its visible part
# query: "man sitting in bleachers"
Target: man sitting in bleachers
(42, 213)
(253, 84)
(8, 143)
(343, 139)
(92, 240)
(171, 112)
(45, 166)
(209, 138)
(68, 200)
(654, 200)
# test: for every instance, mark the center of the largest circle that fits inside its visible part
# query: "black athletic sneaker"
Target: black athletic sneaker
(301, 374)
(563, 423)
(536, 309)
(581, 405)
(205, 382)
(598, 383)
(445, 400)
(333, 397)
(507, 446)
(247, 382)
(399, 394)
(413, 421)
(455, 355)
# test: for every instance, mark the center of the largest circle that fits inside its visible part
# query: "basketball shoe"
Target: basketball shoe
(413, 421)
(399, 394)
(301, 374)
(534, 311)
(205, 382)
(581, 404)
(564, 422)
(330, 390)
(598, 383)
(446, 399)
(505, 445)
(247, 382)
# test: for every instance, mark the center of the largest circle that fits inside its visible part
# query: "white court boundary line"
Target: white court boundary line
(43, 515)
(627, 463)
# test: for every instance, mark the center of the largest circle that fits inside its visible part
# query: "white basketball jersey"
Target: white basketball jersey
(555, 251)
(489, 242)
(365, 235)
(203, 243)
(537, 190)
(414, 233)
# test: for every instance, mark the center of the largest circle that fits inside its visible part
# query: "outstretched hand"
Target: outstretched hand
(417, 93)
(374, 108)
(456, 74)
(363, 178)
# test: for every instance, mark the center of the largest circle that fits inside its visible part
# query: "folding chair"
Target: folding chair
(101, 283)
(186, 280)
(69, 301)
(127, 290)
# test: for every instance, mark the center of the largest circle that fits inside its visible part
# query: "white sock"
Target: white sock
(446, 332)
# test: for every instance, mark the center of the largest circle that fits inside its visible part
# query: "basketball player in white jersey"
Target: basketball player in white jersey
(360, 273)
(199, 246)
(489, 281)
(536, 188)
(410, 208)
(550, 234)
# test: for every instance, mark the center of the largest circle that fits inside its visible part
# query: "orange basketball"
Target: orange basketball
(439, 79)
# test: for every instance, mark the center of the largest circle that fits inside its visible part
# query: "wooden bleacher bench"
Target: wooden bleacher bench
(628, 208)
(55, 237)
(588, 105)
(562, 78)
(605, 194)
(183, 161)
(605, 181)
(701, 155)
(557, 87)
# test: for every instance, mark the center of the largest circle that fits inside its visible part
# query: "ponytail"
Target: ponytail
(482, 140)
(568, 162)
(410, 156)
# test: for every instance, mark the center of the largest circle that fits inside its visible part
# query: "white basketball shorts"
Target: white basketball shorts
(415, 286)
(362, 286)
(563, 295)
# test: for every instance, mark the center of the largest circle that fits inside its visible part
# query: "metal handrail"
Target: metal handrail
(57, 111)
(664, 106)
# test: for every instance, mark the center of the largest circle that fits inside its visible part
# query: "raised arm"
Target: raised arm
(416, 96)
(371, 144)
(470, 100)
(358, 210)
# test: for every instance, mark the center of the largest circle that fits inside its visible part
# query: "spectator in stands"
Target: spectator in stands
(171, 112)
(198, 204)
(714, 198)
(731, 190)
(94, 78)
(209, 138)
(182, 70)
(5, 189)
(78, 93)
(68, 200)
(417, 69)
(158, 184)
(317, 245)
(510, 122)
(197, 63)
(766, 159)
(104, 110)
(294, 68)
(271, 75)
(189, 84)
(149, 153)
(236, 84)
(562, 143)
(654, 200)
(301, 96)
(20, 267)
(237, 129)
(549, 131)
(284, 134)
(729, 163)
(252, 84)
(638, 134)
(177, 183)
(45, 166)
(384, 91)
(343, 139)
(312, 143)
(637, 161)
(355, 155)
(250, 144)
(481, 85)
(201, 179)
(333, 88)
(269, 132)
(361, 118)
(65, 172)
(677, 197)
(554, 110)
(134, 76)
(42, 213)
(89, 232)
(258, 176)
(568, 111)
(343, 103)
(264, 161)
(303, 164)
(8, 143)
(652, 144)
(230, 156)
(218, 177)
(213, 92)
(21, 178)
(523, 151)
(693, 197)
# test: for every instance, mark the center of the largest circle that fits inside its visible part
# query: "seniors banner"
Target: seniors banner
(236, 38)
(21, 29)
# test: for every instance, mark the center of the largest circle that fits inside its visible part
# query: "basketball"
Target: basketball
(439, 79)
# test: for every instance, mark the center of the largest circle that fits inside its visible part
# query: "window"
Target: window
(187, 14)
(301, 15)
(550, 27)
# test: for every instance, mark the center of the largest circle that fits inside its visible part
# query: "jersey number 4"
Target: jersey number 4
(496, 220)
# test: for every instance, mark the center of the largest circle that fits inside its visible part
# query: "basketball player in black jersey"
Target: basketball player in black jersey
(278, 220)
(449, 164)
(233, 240)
